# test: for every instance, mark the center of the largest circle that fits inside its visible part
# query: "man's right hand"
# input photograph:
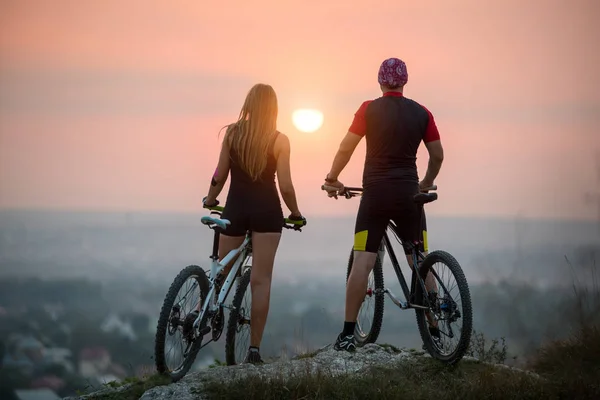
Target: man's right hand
(333, 188)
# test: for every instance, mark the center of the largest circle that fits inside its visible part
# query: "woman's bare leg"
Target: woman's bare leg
(264, 247)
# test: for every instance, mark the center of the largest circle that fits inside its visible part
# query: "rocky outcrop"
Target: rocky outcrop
(325, 360)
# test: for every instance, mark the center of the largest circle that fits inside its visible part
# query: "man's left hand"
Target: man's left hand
(425, 185)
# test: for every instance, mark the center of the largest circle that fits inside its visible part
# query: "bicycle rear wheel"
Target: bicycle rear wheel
(238, 325)
(370, 315)
(445, 308)
(173, 317)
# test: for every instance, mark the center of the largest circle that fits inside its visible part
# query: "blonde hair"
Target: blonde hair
(250, 136)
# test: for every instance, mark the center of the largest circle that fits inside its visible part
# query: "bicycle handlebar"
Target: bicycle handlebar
(287, 223)
(349, 192)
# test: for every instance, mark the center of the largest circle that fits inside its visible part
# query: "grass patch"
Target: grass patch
(494, 353)
(419, 379)
(135, 389)
(572, 365)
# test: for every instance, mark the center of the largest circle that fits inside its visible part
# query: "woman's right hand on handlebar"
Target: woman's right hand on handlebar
(293, 217)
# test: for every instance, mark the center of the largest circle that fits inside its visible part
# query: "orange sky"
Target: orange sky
(117, 104)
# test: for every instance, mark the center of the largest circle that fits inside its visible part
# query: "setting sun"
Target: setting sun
(307, 120)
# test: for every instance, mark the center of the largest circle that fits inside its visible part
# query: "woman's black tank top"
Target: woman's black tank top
(261, 193)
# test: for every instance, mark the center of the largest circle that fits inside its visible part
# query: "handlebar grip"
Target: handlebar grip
(324, 187)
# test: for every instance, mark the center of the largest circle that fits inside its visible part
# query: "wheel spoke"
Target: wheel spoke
(367, 308)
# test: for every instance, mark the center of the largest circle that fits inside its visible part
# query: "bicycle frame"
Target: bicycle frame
(216, 266)
(417, 257)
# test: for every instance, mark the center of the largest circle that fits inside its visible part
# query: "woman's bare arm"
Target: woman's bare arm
(220, 176)
(284, 175)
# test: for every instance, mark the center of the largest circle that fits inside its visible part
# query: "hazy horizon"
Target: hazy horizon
(352, 215)
(158, 245)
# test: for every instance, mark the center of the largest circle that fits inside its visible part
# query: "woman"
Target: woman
(254, 151)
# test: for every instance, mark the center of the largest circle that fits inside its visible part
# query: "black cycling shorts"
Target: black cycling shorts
(253, 219)
(379, 205)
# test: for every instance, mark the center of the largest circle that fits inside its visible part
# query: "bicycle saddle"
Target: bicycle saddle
(221, 223)
(424, 198)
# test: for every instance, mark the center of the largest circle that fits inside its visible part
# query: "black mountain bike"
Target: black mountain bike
(202, 293)
(437, 307)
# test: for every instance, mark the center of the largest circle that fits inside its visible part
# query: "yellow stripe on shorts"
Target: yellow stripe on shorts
(360, 240)
(425, 244)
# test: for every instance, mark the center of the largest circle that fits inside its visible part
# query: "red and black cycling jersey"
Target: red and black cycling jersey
(394, 127)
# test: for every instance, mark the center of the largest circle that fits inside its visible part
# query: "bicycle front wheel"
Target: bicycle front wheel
(370, 315)
(450, 308)
(173, 326)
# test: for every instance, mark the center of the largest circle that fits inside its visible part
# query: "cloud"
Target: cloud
(117, 92)
(559, 112)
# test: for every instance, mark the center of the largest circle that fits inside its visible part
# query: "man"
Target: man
(394, 127)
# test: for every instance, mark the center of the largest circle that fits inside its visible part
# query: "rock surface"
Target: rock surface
(325, 360)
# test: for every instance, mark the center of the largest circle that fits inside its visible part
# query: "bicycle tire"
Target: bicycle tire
(467, 310)
(373, 333)
(233, 317)
(163, 322)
